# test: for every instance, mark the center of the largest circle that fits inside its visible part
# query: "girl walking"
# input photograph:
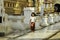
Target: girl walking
(32, 22)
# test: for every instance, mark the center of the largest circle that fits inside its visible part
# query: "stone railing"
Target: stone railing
(16, 23)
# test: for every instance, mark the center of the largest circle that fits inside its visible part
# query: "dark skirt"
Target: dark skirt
(32, 26)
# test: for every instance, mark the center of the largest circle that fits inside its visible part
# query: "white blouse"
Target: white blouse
(33, 19)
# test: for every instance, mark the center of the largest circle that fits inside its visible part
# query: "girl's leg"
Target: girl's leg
(32, 27)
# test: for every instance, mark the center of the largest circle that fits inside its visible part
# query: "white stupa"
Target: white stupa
(2, 10)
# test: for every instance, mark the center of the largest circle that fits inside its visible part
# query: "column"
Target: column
(6, 4)
(42, 6)
(11, 4)
(36, 6)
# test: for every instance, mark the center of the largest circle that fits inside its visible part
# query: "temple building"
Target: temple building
(17, 6)
(14, 6)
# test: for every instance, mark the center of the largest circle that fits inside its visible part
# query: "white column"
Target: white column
(27, 14)
(41, 7)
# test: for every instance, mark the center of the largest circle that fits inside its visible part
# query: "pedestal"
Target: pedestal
(27, 14)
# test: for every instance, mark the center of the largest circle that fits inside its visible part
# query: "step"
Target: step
(56, 37)
(3, 38)
(37, 35)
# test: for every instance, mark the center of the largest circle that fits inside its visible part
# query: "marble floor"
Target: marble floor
(38, 34)
(57, 36)
(34, 35)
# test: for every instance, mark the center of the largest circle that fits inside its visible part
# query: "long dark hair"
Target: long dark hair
(33, 13)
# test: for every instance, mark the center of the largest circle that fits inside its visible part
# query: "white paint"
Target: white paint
(27, 14)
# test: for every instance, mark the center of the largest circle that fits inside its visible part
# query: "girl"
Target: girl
(32, 22)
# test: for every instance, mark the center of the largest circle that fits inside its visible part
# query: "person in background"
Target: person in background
(32, 22)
